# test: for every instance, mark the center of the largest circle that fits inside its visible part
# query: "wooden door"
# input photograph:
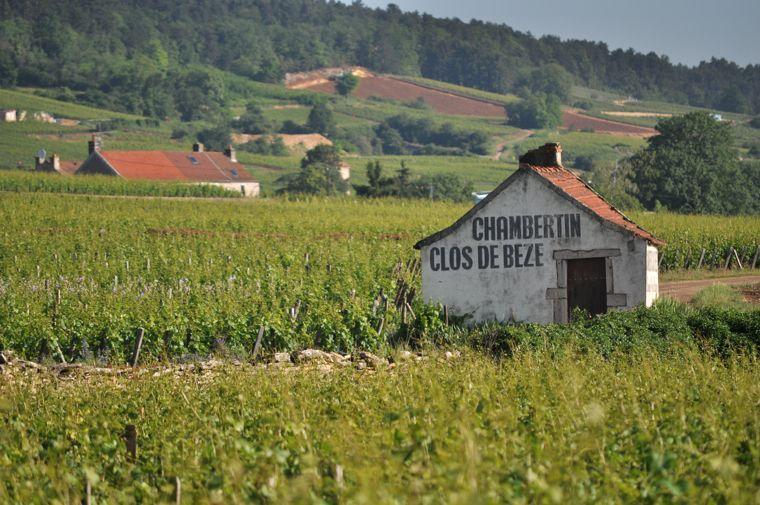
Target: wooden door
(587, 285)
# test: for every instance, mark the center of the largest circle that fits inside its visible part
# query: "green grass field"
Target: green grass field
(574, 144)
(24, 99)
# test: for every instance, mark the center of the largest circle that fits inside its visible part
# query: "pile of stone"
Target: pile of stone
(307, 358)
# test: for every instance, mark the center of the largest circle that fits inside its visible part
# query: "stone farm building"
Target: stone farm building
(538, 246)
(8, 115)
(196, 167)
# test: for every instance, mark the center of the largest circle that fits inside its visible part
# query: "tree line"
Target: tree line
(135, 55)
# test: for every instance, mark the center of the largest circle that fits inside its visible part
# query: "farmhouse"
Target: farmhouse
(8, 115)
(55, 165)
(538, 246)
(198, 167)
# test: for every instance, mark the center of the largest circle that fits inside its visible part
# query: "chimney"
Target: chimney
(230, 153)
(548, 155)
(197, 147)
(345, 171)
(55, 162)
(94, 145)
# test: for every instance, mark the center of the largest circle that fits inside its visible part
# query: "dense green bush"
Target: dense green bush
(423, 131)
(535, 111)
(667, 325)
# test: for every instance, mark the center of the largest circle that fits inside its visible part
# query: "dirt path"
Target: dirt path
(501, 146)
(684, 291)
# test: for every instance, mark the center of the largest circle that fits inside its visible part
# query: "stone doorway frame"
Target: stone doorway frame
(559, 294)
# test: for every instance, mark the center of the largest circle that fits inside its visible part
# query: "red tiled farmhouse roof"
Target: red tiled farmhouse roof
(574, 187)
(70, 167)
(175, 166)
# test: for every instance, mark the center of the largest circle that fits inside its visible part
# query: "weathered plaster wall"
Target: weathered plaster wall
(247, 189)
(521, 293)
(653, 279)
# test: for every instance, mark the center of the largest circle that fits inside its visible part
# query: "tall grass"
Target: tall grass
(539, 427)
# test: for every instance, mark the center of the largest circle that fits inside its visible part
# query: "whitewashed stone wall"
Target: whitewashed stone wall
(499, 289)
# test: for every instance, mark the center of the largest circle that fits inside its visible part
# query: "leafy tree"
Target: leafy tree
(319, 174)
(180, 132)
(321, 120)
(443, 187)
(278, 147)
(197, 94)
(216, 138)
(535, 112)
(390, 138)
(404, 185)
(253, 121)
(551, 79)
(292, 128)
(733, 100)
(424, 131)
(614, 182)
(273, 146)
(346, 83)
(378, 185)
(690, 166)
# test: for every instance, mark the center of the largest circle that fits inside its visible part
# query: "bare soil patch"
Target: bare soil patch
(395, 89)
(308, 141)
(684, 291)
(751, 294)
(572, 119)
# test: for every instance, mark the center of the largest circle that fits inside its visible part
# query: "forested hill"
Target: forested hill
(129, 53)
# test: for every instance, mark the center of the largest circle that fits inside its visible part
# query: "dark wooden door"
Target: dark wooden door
(587, 285)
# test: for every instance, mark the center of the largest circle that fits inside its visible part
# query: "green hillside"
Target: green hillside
(356, 122)
(25, 99)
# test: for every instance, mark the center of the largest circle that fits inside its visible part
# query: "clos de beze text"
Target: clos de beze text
(503, 229)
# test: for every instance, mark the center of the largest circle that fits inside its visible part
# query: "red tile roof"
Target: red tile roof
(574, 187)
(544, 162)
(175, 166)
(69, 167)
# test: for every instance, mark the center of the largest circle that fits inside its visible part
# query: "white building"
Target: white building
(539, 245)
(8, 115)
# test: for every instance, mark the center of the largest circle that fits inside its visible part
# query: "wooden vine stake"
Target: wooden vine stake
(701, 258)
(130, 440)
(87, 492)
(738, 261)
(757, 254)
(138, 346)
(257, 345)
(177, 491)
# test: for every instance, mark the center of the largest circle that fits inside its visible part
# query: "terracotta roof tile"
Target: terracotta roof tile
(69, 167)
(573, 186)
(176, 166)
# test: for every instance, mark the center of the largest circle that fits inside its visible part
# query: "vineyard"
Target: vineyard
(540, 427)
(656, 404)
(81, 275)
(20, 181)
(704, 241)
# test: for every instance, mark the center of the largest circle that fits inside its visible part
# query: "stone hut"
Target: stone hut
(540, 245)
